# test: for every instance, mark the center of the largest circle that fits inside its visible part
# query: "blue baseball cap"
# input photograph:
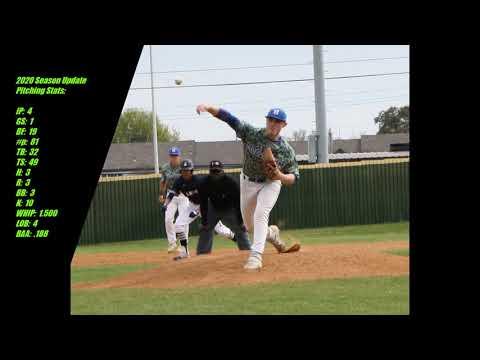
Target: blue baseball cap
(174, 151)
(277, 114)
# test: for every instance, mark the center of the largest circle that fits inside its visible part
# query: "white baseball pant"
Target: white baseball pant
(178, 203)
(256, 202)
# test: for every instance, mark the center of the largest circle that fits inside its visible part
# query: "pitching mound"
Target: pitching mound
(225, 267)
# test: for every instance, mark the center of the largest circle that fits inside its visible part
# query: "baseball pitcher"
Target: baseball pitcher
(262, 176)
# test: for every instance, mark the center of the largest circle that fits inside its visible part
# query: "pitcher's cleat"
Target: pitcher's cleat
(254, 262)
(275, 240)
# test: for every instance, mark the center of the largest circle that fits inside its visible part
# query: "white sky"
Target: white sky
(352, 104)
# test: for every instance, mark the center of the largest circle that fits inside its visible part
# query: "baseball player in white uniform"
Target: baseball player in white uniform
(261, 182)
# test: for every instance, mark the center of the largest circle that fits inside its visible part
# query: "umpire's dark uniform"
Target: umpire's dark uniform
(220, 201)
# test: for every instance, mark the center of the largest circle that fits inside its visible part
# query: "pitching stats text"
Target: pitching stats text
(33, 221)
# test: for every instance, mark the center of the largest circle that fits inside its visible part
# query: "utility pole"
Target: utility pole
(330, 141)
(154, 117)
(321, 134)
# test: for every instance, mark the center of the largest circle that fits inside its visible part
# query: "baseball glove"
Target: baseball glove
(269, 163)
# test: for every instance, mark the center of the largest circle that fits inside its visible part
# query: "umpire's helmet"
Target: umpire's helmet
(187, 164)
(216, 164)
(216, 167)
(277, 114)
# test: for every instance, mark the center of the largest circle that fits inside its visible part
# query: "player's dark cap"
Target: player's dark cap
(186, 164)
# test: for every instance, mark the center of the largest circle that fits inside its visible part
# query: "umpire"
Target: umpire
(220, 201)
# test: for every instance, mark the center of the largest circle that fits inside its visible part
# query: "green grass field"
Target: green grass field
(330, 235)
(99, 273)
(400, 252)
(356, 296)
(361, 296)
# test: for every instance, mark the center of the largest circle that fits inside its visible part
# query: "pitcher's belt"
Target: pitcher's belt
(256, 179)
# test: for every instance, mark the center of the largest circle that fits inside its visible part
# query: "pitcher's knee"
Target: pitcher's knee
(261, 217)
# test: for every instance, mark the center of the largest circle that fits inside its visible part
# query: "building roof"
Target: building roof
(228, 152)
(139, 157)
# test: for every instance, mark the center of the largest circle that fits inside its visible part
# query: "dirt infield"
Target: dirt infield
(224, 267)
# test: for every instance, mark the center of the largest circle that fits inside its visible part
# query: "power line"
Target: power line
(328, 94)
(347, 101)
(358, 104)
(362, 60)
(225, 68)
(296, 107)
(366, 75)
(225, 84)
(296, 98)
(271, 66)
(268, 82)
(289, 107)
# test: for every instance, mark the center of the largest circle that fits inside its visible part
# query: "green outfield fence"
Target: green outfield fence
(369, 192)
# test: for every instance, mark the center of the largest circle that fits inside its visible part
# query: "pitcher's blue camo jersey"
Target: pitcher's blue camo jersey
(254, 142)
